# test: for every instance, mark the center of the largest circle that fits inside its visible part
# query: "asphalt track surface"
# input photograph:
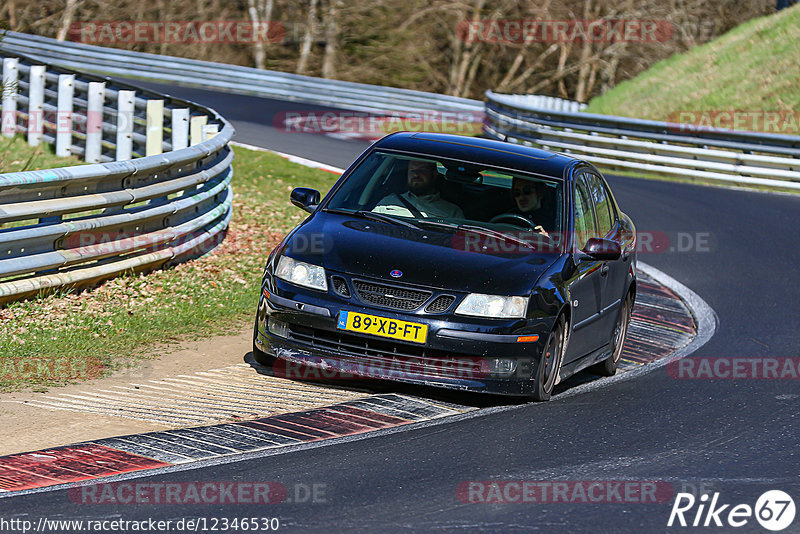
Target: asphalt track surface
(735, 437)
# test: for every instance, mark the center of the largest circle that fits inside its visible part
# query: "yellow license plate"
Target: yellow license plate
(381, 326)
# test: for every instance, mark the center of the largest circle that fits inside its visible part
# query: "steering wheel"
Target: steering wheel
(515, 219)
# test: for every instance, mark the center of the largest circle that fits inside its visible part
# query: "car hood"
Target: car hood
(429, 258)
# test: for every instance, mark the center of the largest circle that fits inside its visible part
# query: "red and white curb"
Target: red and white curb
(142, 452)
(662, 328)
(660, 324)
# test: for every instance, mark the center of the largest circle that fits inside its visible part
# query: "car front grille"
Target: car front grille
(440, 304)
(388, 355)
(392, 297)
(340, 286)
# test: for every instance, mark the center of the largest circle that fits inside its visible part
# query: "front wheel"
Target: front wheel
(549, 364)
(608, 367)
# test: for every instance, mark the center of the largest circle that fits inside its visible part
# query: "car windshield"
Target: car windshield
(449, 195)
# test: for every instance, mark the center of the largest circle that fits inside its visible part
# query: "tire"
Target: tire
(608, 367)
(549, 364)
(259, 355)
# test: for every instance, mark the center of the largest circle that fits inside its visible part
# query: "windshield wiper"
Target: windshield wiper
(371, 215)
(495, 233)
(449, 226)
(478, 230)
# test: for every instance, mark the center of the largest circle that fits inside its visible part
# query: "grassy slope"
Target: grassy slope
(756, 66)
(64, 337)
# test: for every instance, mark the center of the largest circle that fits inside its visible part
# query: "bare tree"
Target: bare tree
(308, 38)
(12, 14)
(331, 38)
(260, 12)
(416, 44)
(66, 19)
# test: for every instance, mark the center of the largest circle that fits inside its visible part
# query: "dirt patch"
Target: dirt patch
(27, 427)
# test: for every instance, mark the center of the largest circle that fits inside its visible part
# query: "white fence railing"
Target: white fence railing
(624, 144)
(233, 78)
(156, 190)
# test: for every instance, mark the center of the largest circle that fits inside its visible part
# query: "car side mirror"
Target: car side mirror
(305, 198)
(602, 249)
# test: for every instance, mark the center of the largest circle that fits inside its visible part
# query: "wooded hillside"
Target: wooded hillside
(446, 46)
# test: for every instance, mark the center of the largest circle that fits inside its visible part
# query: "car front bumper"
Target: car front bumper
(459, 353)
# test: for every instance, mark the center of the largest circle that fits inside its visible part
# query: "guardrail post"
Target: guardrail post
(66, 91)
(180, 128)
(125, 105)
(94, 122)
(155, 128)
(9, 101)
(209, 131)
(197, 124)
(35, 104)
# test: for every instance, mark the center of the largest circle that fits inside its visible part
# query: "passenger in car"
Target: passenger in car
(422, 198)
(529, 202)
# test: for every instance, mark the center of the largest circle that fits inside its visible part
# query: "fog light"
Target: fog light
(502, 366)
(278, 328)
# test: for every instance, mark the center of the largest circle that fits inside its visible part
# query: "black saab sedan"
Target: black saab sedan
(452, 261)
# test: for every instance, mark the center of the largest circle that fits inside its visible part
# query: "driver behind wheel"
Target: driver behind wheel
(528, 200)
(422, 198)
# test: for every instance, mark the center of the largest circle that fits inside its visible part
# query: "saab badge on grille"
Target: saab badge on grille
(396, 274)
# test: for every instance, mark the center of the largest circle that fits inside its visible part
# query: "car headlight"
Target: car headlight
(479, 305)
(301, 273)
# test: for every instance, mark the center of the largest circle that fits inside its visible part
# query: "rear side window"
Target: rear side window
(584, 218)
(602, 204)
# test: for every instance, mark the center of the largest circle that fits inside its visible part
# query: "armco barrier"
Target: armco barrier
(624, 144)
(76, 225)
(233, 78)
(246, 80)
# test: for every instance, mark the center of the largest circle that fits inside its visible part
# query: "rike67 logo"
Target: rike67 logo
(774, 510)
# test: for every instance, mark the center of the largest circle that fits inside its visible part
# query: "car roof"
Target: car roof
(486, 151)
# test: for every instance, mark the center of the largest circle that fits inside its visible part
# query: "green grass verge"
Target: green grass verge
(17, 155)
(754, 67)
(65, 337)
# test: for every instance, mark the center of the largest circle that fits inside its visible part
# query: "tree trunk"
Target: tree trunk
(12, 15)
(562, 71)
(586, 52)
(463, 57)
(331, 36)
(260, 12)
(527, 73)
(66, 19)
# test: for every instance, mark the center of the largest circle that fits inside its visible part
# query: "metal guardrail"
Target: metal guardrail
(233, 78)
(625, 144)
(246, 80)
(544, 102)
(76, 225)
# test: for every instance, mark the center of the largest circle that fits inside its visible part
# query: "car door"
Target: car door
(616, 271)
(587, 281)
